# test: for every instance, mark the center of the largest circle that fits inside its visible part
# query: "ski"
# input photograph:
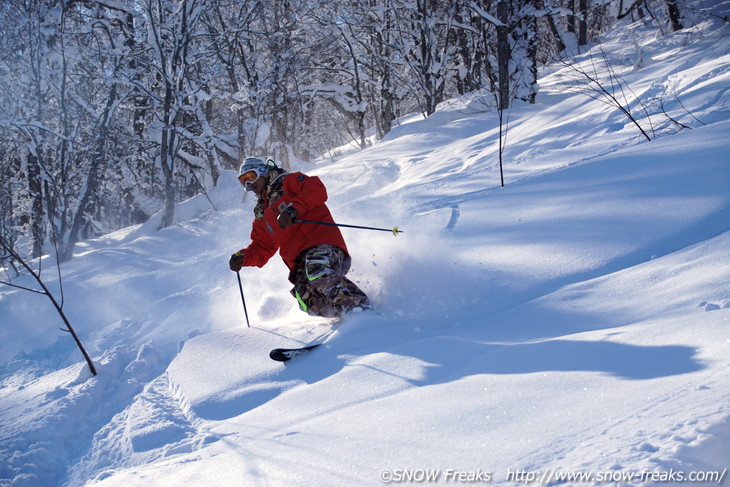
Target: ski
(286, 354)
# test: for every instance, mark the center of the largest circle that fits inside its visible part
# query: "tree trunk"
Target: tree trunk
(674, 15)
(582, 22)
(92, 180)
(503, 54)
(571, 16)
(36, 193)
(167, 159)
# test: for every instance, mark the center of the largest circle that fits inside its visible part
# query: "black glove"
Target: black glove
(236, 261)
(288, 217)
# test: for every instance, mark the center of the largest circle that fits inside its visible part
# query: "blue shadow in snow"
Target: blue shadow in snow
(633, 362)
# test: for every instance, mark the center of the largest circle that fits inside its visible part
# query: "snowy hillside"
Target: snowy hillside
(574, 322)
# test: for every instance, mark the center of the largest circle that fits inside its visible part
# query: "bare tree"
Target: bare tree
(170, 27)
(423, 44)
(610, 89)
(10, 253)
(371, 26)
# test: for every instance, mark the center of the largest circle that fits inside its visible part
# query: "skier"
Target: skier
(316, 255)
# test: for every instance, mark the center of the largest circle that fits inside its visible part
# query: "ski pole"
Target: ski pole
(394, 230)
(243, 300)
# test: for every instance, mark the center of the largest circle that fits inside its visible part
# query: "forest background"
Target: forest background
(114, 109)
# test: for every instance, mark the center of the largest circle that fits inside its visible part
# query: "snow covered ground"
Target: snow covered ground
(575, 322)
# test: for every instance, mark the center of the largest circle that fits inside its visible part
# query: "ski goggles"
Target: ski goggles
(248, 177)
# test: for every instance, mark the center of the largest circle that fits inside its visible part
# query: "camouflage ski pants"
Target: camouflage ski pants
(320, 285)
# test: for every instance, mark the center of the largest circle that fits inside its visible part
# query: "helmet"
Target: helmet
(256, 164)
(253, 164)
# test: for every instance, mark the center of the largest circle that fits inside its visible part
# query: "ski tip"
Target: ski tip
(278, 356)
(286, 354)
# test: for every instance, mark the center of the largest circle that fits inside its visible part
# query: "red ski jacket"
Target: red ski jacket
(307, 195)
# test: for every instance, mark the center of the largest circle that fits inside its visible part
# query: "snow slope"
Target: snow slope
(576, 321)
